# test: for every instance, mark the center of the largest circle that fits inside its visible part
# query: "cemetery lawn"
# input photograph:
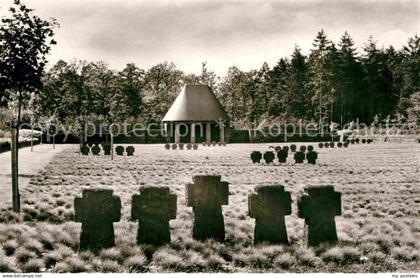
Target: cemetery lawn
(378, 231)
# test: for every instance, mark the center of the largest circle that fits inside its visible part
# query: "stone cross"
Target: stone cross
(282, 155)
(311, 157)
(119, 150)
(96, 150)
(269, 157)
(207, 195)
(107, 149)
(268, 207)
(299, 157)
(319, 208)
(85, 150)
(97, 210)
(154, 207)
(256, 156)
(130, 150)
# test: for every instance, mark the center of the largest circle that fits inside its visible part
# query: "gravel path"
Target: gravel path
(30, 163)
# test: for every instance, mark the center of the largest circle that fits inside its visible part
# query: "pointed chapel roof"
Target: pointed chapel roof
(196, 103)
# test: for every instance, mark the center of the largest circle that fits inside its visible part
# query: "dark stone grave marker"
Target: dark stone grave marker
(174, 146)
(310, 148)
(293, 148)
(153, 208)
(167, 146)
(256, 157)
(207, 195)
(311, 157)
(299, 157)
(320, 145)
(339, 144)
(119, 150)
(96, 150)
(302, 148)
(269, 207)
(269, 157)
(85, 150)
(195, 146)
(97, 210)
(130, 150)
(107, 149)
(282, 156)
(318, 208)
(189, 146)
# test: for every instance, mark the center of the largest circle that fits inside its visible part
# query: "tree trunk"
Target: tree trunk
(32, 140)
(15, 173)
(15, 159)
(112, 146)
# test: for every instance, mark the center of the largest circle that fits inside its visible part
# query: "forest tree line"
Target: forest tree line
(334, 82)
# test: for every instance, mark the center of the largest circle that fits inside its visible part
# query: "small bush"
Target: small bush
(136, 263)
(307, 257)
(405, 254)
(23, 255)
(10, 246)
(75, 265)
(33, 265)
(6, 264)
(109, 266)
(168, 259)
(112, 254)
(34, 245)
(284, 261)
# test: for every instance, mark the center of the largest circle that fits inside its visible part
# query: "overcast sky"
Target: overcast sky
(223, 33)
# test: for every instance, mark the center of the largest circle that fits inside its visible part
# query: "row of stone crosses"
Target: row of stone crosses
(190, 146)
(96, 149)
(282, 153)
(154, 207)
(345, 144)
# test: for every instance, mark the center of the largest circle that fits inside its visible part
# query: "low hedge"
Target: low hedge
(5, 146)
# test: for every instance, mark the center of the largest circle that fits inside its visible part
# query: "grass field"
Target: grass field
(378, 231)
